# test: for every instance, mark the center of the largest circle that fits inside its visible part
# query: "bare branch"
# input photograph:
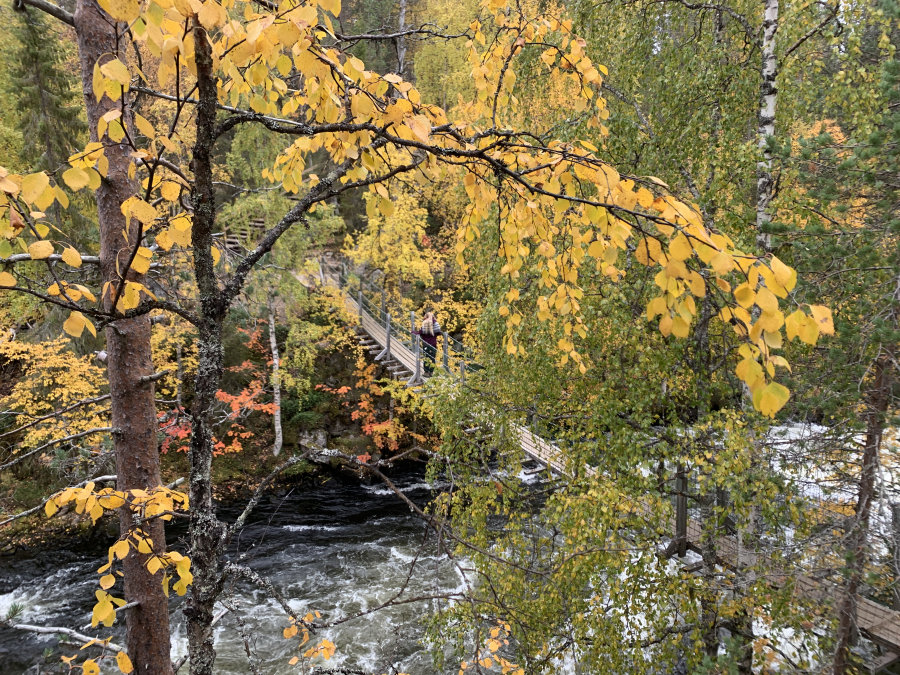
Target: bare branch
(73, 437)
(48, 7)
(56, 630)
(55, 413)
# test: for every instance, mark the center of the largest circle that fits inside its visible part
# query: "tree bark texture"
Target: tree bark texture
(128, 346)
(879, 399)
(276, 380)
(207, 533)
(768, 96)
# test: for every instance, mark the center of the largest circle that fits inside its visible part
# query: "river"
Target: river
(339, 548)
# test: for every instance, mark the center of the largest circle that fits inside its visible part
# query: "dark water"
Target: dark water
(340, 548)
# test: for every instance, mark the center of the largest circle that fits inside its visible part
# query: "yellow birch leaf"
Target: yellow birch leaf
(124, 10)
(33, 186)
(680, 327)
(143, 211)
(50, 508)
(170, 191)
(722, 263)
(40, 250)
(116, 71)
(124, 663)
(140, 264)
(665, 325)
(822, 316)
(107, 581)
(215, 255)
(7, 280)
(773, 398)
(74, 325)
(144, 126)
(766, 300)
(121, 548)
(61, 197)
(71, 257)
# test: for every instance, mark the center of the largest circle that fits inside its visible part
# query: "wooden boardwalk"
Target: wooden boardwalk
(877, 622)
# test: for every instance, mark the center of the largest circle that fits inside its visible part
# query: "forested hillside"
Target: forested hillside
(449, 337)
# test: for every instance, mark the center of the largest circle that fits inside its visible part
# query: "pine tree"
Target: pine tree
(47, 102)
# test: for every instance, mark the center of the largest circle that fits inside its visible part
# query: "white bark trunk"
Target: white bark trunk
(276, 380)
(768, 94)
(401, 42)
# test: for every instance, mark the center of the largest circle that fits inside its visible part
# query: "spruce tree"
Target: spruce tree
(47, 102)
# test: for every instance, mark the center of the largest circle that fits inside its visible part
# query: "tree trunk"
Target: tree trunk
(207, 532)
(276, 380)
(768, 94)
(401, 42)
(128, 347)
(879, 398)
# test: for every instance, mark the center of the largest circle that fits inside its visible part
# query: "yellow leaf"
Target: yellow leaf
(74, 325)
(781, 271)
(680, 327)
(7, 280)
(124, 663)
(121, 548)
(140, 264)
(90, 667)
(722, 263)
(50, 508)
(793, 324)
(215, 255)
(773, 398)
(822, 316)
(61, 197)
(766, 300)
(117, 71)
(71, 257)
(744, 295)
(170, 191)
(33, 186)
(144, 127)
(665, 325)
(143, 211)
(386, 206)
(680, 248)
(40, 250)
(98, 85)
(124, 10)
(107, 581)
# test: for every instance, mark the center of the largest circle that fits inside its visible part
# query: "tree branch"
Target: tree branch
(48, 7)
(73, 437)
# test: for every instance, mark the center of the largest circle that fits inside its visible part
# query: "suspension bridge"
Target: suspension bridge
(393, 342)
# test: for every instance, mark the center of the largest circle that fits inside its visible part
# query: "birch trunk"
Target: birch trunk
(401, 42)
(276, 380)
(128, 347)
(768, 95)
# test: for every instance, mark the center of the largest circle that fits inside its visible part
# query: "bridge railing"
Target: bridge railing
(451, 355)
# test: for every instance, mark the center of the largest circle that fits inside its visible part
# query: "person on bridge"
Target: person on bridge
(428, 334)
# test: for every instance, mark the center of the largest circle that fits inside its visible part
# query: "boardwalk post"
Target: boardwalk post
(446, 353)
(417, 375)
(681, 511)
(386, 352)
(322, 271)
(383, 302)
(412, 322)
(462, 372)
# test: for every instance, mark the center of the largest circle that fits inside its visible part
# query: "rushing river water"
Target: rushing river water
(339, 548)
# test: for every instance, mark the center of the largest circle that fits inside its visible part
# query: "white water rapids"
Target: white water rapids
(340, 548)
